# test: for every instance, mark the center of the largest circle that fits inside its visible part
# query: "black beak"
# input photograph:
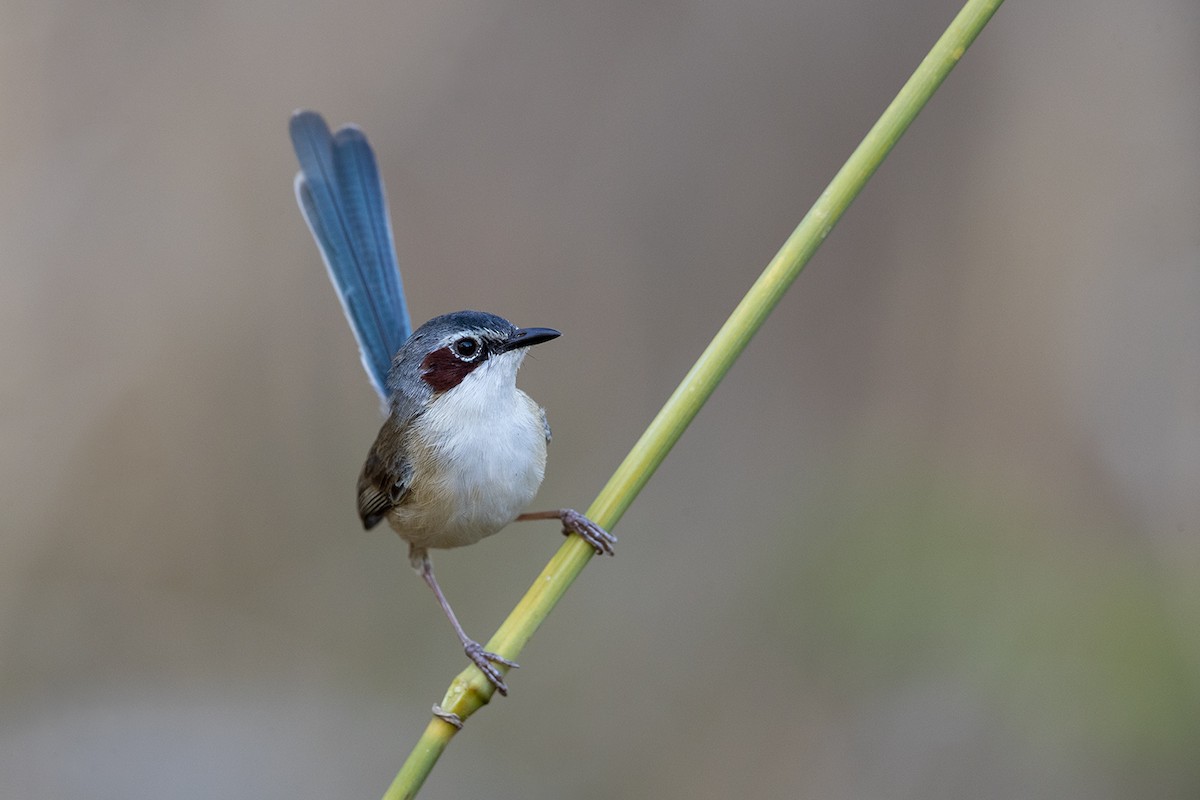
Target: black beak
(528, 337)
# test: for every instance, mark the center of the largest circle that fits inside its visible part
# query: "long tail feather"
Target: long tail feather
(341, 195)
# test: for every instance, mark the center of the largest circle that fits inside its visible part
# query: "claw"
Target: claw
(601, 540)
(484, 660)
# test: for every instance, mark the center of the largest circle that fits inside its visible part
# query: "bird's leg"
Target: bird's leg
(573, 522)
(479, 657)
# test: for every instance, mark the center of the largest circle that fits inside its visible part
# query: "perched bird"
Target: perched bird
(463, 450)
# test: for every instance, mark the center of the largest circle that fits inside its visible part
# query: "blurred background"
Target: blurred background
(937, 534)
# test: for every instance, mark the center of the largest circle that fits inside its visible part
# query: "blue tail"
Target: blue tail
(341, 195)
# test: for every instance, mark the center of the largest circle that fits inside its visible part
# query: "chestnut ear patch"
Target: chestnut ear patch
(443, 370)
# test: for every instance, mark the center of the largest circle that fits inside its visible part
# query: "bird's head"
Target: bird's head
(440, 354)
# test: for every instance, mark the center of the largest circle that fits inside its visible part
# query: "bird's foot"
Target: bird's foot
(448, 716)
(573, 522)
(486, 661)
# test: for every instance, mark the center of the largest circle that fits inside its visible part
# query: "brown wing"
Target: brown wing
(385, 478)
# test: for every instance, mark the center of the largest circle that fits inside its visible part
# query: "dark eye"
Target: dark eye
(466, 348)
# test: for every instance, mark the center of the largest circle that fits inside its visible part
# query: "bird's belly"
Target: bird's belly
(471, 484)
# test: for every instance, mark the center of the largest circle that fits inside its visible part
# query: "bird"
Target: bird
(462, 451)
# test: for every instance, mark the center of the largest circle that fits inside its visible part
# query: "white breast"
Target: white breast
(479, 455)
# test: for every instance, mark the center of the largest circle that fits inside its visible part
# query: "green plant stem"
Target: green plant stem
(470, 690)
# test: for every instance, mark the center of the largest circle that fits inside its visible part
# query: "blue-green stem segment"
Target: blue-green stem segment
(470, 690)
